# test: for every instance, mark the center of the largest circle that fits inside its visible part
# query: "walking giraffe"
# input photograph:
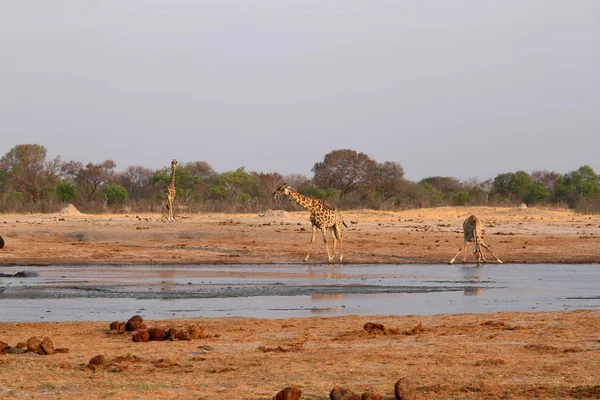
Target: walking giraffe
(322, 216)
(473, 232)
(169, 193)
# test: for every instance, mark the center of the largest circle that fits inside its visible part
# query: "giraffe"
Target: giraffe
(322, 216)
(169, 193)
(473, 232)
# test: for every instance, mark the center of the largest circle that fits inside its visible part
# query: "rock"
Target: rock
(405, 390)
(46, 347)
(114, 326)
(3, 345)
(157, 334)
(1, 242)
(123, 327)
(177, 334)
(371, 396)
(195, 331)
(340, 393)
(61, 350)
(98, 360)
(289, 393)
(373, 327)
(33, 344)
(141, 336)
(14, 350)
(22, 345)
(134, 323)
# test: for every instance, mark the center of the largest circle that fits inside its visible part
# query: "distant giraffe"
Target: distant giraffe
(473, 232)
(322, 216)
(169, 193)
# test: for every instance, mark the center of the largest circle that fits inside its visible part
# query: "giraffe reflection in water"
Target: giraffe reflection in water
(167, 282)
(469, 277)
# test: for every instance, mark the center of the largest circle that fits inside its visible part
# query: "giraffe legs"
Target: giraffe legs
(461, 248)
(168, 207)
(312, 240)
(336, 233)
(477, 252)
(488, 248)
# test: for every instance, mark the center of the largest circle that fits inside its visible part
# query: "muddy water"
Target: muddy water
(90, 292)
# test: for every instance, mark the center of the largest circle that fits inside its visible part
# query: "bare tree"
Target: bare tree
(90, 177)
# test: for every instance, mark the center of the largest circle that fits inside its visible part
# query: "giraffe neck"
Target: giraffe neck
(306, 202)
(172, 183)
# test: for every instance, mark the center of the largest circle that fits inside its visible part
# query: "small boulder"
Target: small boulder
(134, 323)
(46, 347)
(177, 334)
(340, 393)
(3, 345)
(371, 396)
(22, 345)
(141, 336)
(33, 344)
(157, 334)
(195, 332)
(114, 326)
(289, 393)
(405, 390)
(98, 360)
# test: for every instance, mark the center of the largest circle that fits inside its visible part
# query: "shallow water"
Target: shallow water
(77, 293)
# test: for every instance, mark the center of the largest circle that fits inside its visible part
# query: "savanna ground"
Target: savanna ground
(554, 355)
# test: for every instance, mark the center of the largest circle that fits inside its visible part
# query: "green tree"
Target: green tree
(578, 185)
(115, 194)
(66, 192)
(238, 185)
(26, 169)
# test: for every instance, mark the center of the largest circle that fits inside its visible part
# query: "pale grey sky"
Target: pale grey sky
(453, 88)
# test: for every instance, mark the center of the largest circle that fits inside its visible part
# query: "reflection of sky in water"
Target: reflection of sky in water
(275, 291)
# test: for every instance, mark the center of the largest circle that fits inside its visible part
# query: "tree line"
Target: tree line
(31, 182)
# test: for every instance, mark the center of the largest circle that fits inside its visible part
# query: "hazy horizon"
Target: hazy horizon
(466, 89)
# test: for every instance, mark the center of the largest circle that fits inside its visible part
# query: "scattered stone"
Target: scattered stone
(206, 347)
(22, 345)
(289, 393)
(134, 323)
(98, 360)
(340, 393)
(3, 345)
(114, 326)
(177, 334)
(15, 350)
(61, 350)
(46, 347)
(123, 327)
(404, 390)
(371, 396)
(417, 330)
(373, 327)
(157, 334)
(141, 336)
(195, 332)
(33, 344)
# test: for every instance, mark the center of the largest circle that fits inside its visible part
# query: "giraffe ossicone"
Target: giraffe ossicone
(473, 232)
(322, 216)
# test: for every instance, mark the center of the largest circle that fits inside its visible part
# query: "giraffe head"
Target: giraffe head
(173, 164)
(283, 189)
